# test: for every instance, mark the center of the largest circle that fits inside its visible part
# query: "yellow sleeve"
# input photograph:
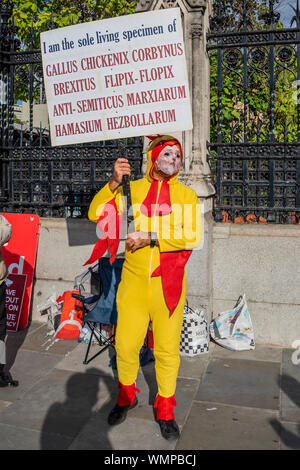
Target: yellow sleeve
(186, 234)
(103, 197)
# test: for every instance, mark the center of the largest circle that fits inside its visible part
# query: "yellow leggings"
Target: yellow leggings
(138, 302)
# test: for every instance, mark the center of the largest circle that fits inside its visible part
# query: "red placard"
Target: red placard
(15, 289)
(20, 254)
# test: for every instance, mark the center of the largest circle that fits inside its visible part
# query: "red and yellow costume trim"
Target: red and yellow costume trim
(152, 287)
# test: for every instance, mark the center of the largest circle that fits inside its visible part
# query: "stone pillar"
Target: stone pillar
(195, 18)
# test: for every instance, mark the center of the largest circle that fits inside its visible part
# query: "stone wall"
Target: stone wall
(261, 261)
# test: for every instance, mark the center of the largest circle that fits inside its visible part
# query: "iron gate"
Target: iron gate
(254, 150)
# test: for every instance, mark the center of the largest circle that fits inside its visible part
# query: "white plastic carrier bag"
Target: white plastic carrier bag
(233, 328)
(194, 334)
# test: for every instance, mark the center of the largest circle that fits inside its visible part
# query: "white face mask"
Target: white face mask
(169, 161)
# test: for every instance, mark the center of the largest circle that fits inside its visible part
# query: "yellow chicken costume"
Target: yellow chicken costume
(152, 286)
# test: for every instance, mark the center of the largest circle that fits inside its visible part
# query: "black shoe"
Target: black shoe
(169, 429)
(118, 413)
(7, 381)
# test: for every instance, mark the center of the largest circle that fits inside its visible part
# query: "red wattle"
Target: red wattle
(163, 205)
(109, 223)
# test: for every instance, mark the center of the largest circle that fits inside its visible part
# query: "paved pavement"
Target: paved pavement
(226, 400)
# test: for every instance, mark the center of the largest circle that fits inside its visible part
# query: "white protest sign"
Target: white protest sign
(116, 78)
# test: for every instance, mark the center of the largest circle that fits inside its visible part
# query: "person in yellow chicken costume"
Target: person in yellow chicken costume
(167, 221)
